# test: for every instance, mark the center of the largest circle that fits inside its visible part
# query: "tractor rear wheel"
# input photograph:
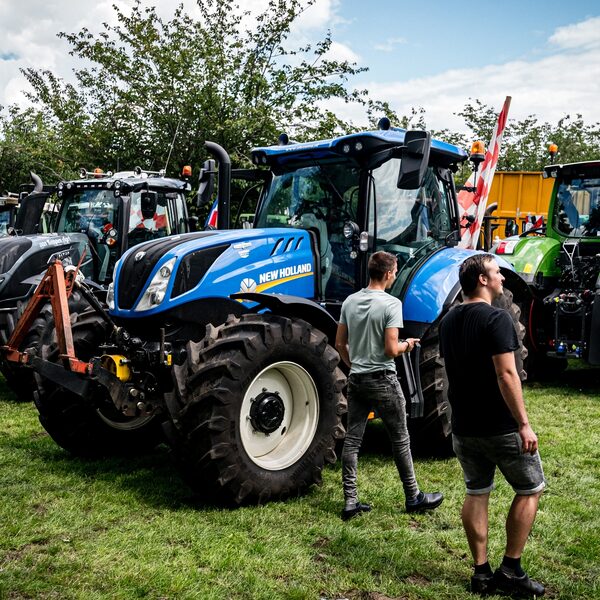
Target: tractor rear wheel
(431, 433)
(257, 409)
(89, 427)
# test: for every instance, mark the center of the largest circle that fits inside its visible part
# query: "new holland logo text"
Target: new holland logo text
(284, 273)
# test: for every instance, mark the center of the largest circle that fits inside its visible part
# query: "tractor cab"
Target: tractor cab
(8, 209)
(361, 193)
(119, 211)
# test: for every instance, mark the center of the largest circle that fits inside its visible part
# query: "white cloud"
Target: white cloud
(558, 81)
(550, 87)
(342, 52)
(390, 44)
(580, 35)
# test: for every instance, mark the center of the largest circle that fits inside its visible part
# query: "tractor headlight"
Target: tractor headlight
(110, 296)
(155, 292)
(110, 293)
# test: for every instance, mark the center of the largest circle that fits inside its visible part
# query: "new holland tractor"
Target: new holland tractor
(561, 263)
(95, 219)
(224, 339)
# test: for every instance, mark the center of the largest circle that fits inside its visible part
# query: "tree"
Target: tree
(525, 142)
(158, 88)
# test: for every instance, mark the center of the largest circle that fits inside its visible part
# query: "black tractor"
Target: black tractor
(92, 222)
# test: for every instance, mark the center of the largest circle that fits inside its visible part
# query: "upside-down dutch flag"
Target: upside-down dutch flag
(213, 215)
(475, 203)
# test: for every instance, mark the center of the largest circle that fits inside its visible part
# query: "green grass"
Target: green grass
(124, 529)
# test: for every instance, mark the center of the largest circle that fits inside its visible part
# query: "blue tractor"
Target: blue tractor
(223, 339)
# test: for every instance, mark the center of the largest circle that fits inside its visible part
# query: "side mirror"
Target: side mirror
(415, 158)
(148, 202)
(511, 228)
(206, 180)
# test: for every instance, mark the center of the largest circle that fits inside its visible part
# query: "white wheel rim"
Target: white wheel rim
(290, 441)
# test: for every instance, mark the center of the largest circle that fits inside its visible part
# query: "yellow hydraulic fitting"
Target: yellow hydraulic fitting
(118, 365)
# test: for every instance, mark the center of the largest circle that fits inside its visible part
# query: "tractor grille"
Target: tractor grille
(194, 266)
(134, 273)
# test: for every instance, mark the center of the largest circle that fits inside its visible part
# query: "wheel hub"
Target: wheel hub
(267, 412)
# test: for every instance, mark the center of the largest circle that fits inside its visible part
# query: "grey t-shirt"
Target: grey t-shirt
(367, 314)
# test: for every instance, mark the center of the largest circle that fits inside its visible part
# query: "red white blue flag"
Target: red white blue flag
(475, 203)
(213, 215)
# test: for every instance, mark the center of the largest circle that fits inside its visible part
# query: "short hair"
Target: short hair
(471, 269)
(380, 263)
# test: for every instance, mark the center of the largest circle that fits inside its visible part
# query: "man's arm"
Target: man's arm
(393, 347)
(510, 388)
(341, 343)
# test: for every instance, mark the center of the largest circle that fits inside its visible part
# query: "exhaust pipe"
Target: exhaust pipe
(224, 188)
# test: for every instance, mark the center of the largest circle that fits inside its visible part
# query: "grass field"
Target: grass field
(125, 529)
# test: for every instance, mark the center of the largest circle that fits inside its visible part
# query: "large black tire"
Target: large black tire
(431, 433)
(257, 409)
(21, 379)
(90, 427)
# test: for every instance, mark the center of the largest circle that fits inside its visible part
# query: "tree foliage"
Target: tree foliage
(158, 88)
(525, 142)
(152, 90)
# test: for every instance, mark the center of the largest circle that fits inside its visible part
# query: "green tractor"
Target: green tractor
(560, 261)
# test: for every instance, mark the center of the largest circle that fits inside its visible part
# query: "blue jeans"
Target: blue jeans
(384, 395)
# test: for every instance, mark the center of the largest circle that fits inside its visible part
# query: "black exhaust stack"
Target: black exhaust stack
(224, 188)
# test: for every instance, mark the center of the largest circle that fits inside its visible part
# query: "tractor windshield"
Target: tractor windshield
(5, 219)
(577, 208)
(408, 223)
(325, 191)
(88, 211)
(98, 214)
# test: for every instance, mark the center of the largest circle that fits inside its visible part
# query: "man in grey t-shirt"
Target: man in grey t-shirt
(367, 340)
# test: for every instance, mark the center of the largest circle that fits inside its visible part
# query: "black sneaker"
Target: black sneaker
(425, 502)
(519, 586)
(349, 513)
(483, 583)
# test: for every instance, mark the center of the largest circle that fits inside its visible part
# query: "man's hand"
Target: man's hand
(529, 439)
(411, 343)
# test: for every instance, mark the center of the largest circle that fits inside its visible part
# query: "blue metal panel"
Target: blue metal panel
(262, 260)
(431, 286)
(394, 136)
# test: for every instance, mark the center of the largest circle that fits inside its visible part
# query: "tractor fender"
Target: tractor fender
(531, 256)
(435, 286)
(293, 306)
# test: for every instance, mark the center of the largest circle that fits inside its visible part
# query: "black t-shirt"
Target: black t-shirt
(470, 334)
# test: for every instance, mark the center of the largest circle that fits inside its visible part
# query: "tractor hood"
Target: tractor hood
(25, 258)
(161, 275)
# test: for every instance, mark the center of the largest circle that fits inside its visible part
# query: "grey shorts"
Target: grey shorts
(479, 457)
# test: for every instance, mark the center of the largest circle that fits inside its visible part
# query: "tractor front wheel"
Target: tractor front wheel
(257, 409)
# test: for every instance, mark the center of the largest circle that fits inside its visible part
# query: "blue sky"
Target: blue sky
(429, 54)
(433, 36)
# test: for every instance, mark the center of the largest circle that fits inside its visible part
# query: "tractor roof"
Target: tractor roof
(588, 169)
(129, 180)
(355, 146)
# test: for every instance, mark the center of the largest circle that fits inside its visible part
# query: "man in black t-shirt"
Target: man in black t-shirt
(490, 427)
